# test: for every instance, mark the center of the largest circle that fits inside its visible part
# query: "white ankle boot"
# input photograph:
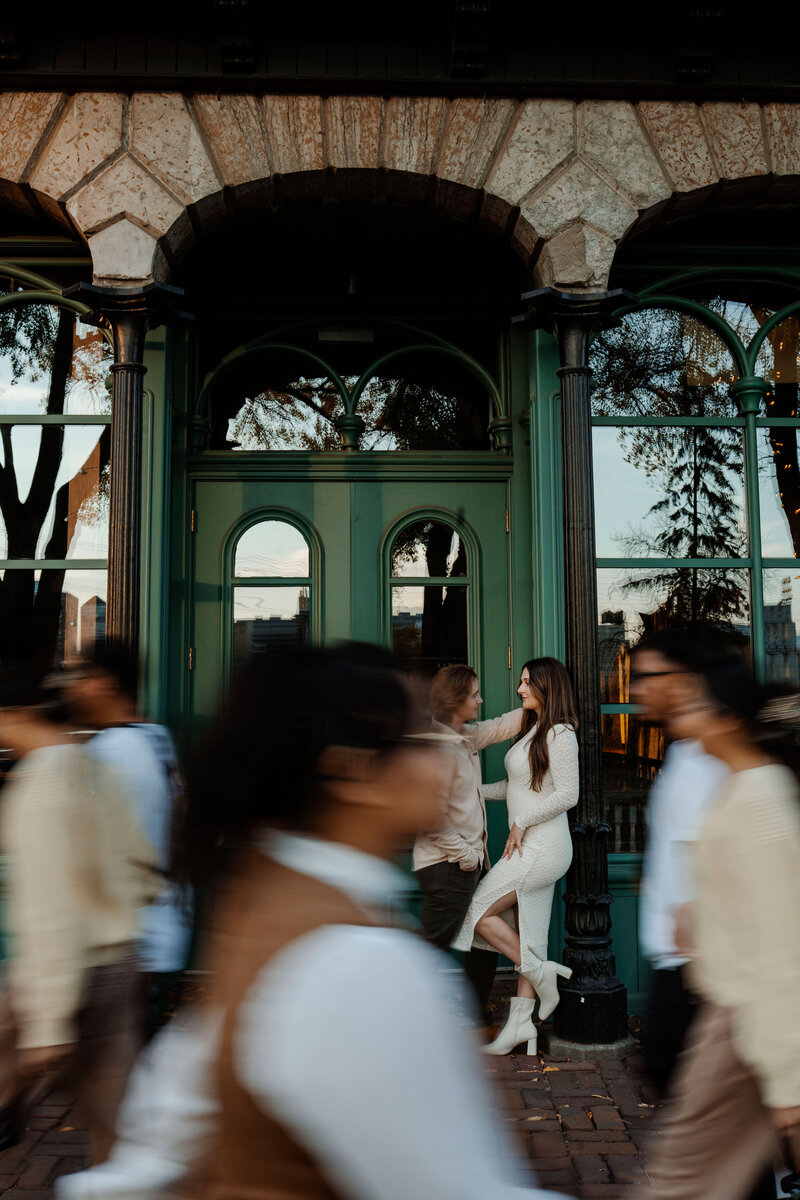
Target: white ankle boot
(518, 1028)
(543, 977)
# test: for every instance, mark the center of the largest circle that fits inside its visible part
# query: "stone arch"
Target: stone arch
(142, 176)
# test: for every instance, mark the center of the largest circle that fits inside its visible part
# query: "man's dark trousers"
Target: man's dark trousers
(446, 895)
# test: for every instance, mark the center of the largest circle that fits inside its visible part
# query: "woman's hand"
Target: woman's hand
(514, 842)
(684, 929)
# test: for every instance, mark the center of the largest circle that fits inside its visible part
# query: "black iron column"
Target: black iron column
(127, 313)
(593, 1008)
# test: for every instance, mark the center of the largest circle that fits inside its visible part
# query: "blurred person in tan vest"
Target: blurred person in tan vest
(77, 870)
(734, 1105)
(326, 1061)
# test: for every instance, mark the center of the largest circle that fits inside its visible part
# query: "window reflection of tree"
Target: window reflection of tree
(44, 343)
(427, 547)
(421, 410)
(663, 364)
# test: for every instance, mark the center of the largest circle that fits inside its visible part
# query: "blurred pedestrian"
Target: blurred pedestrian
(450, 861)
(510, 910)
(736, 1093)
(78, 869)
(102, 692)
(666, 677)
(326, 1061)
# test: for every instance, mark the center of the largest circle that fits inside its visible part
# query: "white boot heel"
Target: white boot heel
(544, 980)
(518, 1028)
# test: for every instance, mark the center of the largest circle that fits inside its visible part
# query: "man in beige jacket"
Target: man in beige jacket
(450, 862)
(77, 871)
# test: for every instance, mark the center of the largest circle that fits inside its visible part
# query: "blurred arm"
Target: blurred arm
(496, 791)
(166, 1123)
(399, 1106)
(498, 729)
(563, 752)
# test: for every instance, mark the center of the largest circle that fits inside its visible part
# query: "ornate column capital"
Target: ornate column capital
(573, 317)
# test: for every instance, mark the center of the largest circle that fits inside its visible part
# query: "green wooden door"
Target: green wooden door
(337, 557)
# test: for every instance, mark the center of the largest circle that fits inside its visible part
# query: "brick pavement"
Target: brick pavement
(584, 1127)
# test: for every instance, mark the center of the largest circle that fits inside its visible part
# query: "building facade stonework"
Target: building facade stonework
(142, 177)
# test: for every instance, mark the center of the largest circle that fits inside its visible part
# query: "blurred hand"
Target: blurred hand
(684, 922)
(514, 842)
(787, 1122)
(42, 1060)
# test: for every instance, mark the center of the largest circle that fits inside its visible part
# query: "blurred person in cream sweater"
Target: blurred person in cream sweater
(77, 871)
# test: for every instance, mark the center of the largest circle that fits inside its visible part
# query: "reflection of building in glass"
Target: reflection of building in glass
(407, 634)
(262, 633)
(780, 637)
(92, 624)
(632, 748)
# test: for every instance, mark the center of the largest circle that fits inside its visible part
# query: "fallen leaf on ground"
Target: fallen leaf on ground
(551, 1068)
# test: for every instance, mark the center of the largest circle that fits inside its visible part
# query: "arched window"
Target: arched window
(271, 588)
(430, 592)
(55, 410)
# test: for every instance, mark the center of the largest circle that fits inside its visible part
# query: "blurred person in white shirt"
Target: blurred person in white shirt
(665, 676)
(326, 1060)
(103, 695)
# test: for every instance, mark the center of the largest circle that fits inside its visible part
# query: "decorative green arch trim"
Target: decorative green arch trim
(229, 580)
(337, 319)
(10, 271)
(54, 298)
(715, 275)
(242, 353)
(472, 580)
(470, 363)
(767, 328)
(705, 316)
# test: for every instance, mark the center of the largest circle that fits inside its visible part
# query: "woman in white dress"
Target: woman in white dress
(510, 910)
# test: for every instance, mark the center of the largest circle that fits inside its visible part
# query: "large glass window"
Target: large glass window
(272, 589)
(282, 398)
(55, 410)
(697, 505)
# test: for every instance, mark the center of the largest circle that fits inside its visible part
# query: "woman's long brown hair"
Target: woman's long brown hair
(549, 679)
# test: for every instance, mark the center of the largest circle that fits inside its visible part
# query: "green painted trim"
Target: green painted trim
(705, 316)
(713, 564)
(265, 581)
(779, 564)
(11, 270)
(547, 550)
(472, 364)
(723, 274)
(777, 422)
(429, 580)
(241, 353)
(766, 329)
(53, 419)
(53, 564)
(359, 464)
(12, 299)
(611, 709)
(703, 422)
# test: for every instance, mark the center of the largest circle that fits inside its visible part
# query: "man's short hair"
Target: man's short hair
(121, 663)
(690, 649)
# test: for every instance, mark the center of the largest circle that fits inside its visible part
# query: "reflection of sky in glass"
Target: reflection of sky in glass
(254, 603)
(272, 548)
(87, 391)
(613, 596)
(775, 535)
(90, 538)
(418, 565)
(624, 494)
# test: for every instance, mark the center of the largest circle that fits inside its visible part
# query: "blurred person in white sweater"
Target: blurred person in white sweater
(78, 868)
(735, 1097)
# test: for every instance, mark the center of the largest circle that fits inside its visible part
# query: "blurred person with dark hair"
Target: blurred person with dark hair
(78, 869)
(325, 1062)
(736, 1093)
(665, 677)
(542, 785)
(102, 692)
(450, 861)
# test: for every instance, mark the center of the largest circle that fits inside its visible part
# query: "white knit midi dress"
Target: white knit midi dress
(546, 844)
